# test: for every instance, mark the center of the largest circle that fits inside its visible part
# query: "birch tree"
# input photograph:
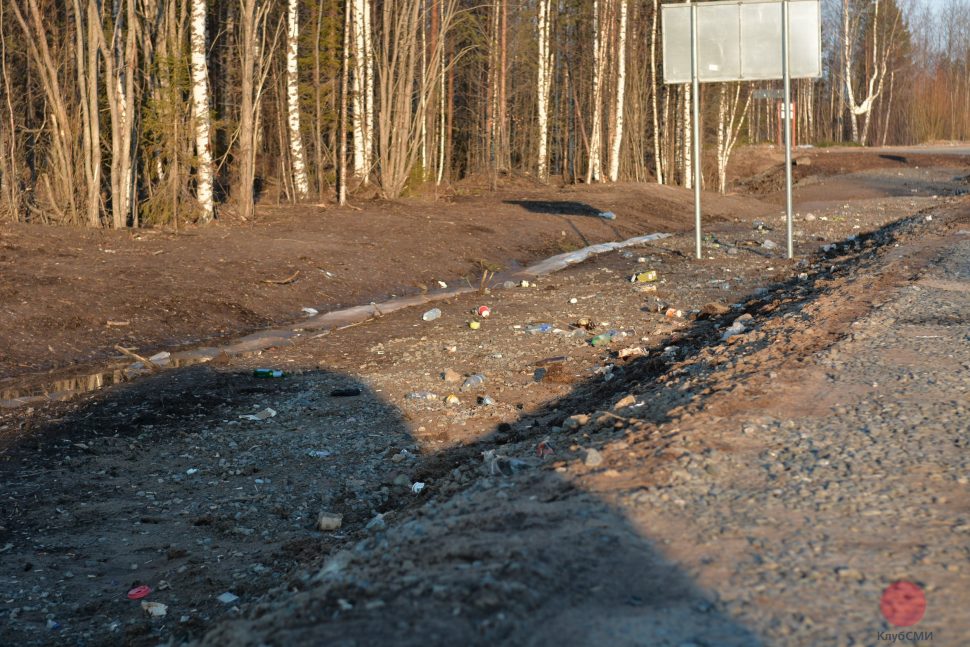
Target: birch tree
(544, 84)
(300, 182)
(729, 121)
(594, 171)
(614, 173)
(200, 108)
(854, 19)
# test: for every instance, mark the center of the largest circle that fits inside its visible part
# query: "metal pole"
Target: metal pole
(788, 118)
(696, 100)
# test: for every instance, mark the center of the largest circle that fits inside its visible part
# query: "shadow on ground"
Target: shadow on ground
(161, 482)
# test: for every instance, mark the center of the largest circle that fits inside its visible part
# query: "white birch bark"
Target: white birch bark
(620, 92)
(728, 128)
(544, 83)
(657, 148)
(200, 108)
(359, 85)
(300, 182)
(595, 170)
(368, 91)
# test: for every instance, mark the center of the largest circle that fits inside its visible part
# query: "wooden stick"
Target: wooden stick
(285, 281)
(147, 362)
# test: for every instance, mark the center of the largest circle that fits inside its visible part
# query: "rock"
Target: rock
(624, 402)
(451, 376)
(539, 374)
(593, 458)
(155, 609)
(715, 309)
(769, 244)
(377, 523)
(850, 574)
(329, 521)
(575, 422)
(809, 217)
(228, 598)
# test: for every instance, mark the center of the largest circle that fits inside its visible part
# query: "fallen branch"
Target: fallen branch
(285, 281)
(144, 360)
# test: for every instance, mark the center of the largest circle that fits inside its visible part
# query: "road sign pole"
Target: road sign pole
(695, 101)
(788, 125)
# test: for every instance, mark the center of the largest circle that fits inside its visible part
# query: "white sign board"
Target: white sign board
(740, 40)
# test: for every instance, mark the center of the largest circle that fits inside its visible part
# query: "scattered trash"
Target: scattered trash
(809, 217)
(593, 458)
(559, 359)
(649, 276)
(139, 592)
(635, 351)
(574, 301)
(475, 380)
(262, 415)
(539, 374)
(53, 625)
(6, 547)
(268, 373)
(607, 215)
(327, 521)
(674, 313)
(452, 400)
(228, 598)
(431, 315)
(377, 523)
(486, 401)
(524, 284)
(474, 325)
(442, 285)
(484, 311)
(737, 328)
(421, 395)
(601, 340)
(418, 487)
(539, 328)
(769, 244)
(508, 285)
(671, 350)
(345, 393)
(498, 465)
(311, 312)
(760, 225)
(160, 358)
(155, 609)
(191, 471)
(319, 453)
(544, 449)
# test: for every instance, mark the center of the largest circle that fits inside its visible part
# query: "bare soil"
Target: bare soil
(519, 535)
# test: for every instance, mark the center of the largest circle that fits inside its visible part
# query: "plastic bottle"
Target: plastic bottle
(431, 315)
(475, 380)
(268, 373)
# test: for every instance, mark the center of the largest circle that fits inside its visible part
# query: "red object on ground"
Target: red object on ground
(903, 603)
(484, 311)
(139, 592)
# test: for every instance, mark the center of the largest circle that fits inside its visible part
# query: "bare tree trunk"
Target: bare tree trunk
(657, 148)
(342, 120)
(200, 108)
(686, 156)
(728, 127)
(300, 183)
(620, 93)
(594, 172)
(544, 83)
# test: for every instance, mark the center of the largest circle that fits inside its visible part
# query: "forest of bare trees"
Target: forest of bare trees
(125, 113)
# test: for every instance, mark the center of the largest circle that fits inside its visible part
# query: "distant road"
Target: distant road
(930, 149)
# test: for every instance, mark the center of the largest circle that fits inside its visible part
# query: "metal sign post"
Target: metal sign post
(695, 105)
(786, 66)
(738, 40)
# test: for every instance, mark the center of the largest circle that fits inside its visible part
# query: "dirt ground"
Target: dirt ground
(581, 494)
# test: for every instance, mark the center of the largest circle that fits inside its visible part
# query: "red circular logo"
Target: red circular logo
(903, 603)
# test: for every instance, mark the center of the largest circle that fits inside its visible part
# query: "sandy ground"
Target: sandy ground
(669, 488)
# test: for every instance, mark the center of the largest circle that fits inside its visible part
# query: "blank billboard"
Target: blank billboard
(740, 40)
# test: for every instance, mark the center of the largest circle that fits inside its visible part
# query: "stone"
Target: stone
(624, 402)
(593, 458)
(450, 376)
(228, 598)
(575, 422)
